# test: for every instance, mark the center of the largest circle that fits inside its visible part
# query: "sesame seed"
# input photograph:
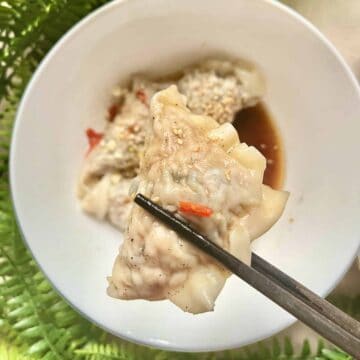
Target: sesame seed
(121, 134)
(115, 179)
(228, 174)
(111, 145)
(227, 100)
(117, 91)
(179, 141)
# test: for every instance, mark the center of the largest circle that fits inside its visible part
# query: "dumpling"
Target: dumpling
(110, 166)
(190, 159)
(108, 198)
(218, 88)
(221, 88)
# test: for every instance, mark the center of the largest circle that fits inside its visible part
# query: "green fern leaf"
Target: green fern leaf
(288, 348)
(349, 304)
(39, 347)
(320, 347)
(306, 350)
(94, 351)
(334, 355)
(32, 332)
(11, 353)
(276, 349)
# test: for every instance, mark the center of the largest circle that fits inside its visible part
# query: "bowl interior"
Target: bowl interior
(314, 100)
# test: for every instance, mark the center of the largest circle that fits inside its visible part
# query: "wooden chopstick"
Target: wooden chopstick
(277, 286)
(306, 295)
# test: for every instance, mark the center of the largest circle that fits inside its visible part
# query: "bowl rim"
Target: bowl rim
(72, 33)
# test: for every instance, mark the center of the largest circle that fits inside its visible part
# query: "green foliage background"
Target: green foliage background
(35, 322)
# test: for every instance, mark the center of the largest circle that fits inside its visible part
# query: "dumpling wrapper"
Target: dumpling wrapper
(191, 158)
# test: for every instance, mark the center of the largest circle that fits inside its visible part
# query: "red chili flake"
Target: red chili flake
(112, 112)
(140, 94)
(93, 139)
(195, 209)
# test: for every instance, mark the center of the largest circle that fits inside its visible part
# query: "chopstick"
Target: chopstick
(322, 306)
(299, 301)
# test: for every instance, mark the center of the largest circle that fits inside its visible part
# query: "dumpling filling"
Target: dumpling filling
(200, 171)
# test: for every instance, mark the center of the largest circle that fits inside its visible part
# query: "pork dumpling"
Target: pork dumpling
(221, 88)
(107, 197)
(190, 159)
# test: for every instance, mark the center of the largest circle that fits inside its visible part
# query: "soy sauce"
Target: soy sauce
(256, 127)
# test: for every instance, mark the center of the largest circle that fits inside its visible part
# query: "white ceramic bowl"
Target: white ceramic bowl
(314, 99)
